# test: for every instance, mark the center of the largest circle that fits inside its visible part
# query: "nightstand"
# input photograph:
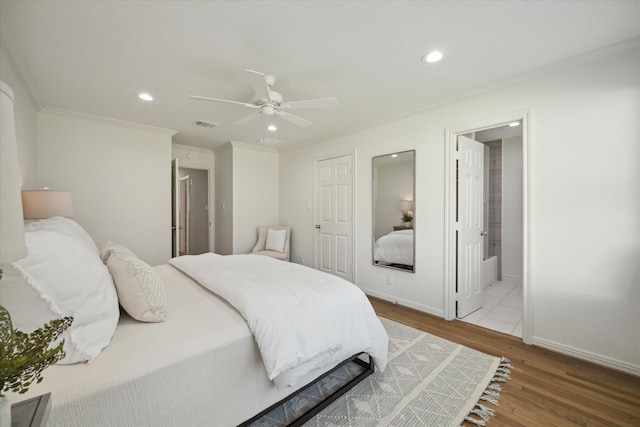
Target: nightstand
(32, 412)
(402, 227)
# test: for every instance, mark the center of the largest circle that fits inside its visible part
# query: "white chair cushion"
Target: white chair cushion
(276, 240)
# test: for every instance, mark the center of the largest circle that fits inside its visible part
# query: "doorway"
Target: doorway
(501, 224)
(183, 215)
(193, 211)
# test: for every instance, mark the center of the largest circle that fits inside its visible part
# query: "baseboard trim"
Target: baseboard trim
(406, 303)
(512, 277)
(599, 359)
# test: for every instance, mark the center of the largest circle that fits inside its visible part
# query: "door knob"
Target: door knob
(483, 233)
(318, 226)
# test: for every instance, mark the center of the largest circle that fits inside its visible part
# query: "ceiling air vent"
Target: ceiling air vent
(204, 124)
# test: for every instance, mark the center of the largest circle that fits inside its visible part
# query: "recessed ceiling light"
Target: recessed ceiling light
(514, 124)
(145, 96)
(272, 128)
(433, 56)
(394, 155)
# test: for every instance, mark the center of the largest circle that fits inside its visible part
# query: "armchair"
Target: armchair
(273, 241)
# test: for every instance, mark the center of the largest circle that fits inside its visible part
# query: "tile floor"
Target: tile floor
(502, 310)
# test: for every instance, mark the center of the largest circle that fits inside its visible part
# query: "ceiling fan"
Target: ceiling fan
(268, 102)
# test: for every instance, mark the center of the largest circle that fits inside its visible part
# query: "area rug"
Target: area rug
(429, 381)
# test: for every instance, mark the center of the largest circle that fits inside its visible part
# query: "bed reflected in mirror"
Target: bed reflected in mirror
(394, 210)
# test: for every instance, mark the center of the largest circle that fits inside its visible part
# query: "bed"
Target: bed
(201, 365)
(395, 248)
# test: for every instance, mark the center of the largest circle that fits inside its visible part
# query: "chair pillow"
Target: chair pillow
(66, 273)
(140, 288)
(276, 240)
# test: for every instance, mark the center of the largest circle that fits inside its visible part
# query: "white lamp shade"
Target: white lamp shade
(406, 205)
(12, 245)
(43, 204)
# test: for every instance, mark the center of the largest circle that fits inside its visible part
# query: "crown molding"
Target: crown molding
(18, 67)
(75, 114)
(246, 146)
(191, 148)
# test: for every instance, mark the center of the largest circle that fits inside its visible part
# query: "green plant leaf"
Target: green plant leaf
(24, 356)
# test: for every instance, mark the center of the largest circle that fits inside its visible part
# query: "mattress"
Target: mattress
(395, 248)
(199, 367)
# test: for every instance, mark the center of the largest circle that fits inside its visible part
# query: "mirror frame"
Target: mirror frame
(374, 190)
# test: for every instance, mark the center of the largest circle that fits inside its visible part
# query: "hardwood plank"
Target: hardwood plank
(546, 388)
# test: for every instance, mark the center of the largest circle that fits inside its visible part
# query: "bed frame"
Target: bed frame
(369, 369)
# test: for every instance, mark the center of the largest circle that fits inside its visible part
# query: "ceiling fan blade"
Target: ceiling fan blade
(296, 120)
(227, 101)
(260, 85)
(249, 118)
(310, 103)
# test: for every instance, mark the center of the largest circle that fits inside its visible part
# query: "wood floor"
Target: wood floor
(546, 388)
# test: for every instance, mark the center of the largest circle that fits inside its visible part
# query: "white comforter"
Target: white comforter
(303, 320)
(395, 248)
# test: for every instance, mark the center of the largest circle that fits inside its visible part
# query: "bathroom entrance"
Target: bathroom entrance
(497, 273)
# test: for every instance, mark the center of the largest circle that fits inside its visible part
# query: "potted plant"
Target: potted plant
(24, 356)
(407, 217)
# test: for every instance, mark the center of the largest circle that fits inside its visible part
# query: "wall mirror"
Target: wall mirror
(394, 210)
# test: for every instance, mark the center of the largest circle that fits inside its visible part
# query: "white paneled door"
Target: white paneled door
(334, 216)
(470, 226)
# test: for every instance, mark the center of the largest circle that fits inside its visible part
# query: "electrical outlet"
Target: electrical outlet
(389, 279)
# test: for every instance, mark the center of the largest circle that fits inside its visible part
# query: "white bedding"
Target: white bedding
(303, 320)
(201, 367)
(395, 248)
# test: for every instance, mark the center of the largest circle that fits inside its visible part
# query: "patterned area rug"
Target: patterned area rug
(429, 381)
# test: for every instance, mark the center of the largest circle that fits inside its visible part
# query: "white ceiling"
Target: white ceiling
(95, 56)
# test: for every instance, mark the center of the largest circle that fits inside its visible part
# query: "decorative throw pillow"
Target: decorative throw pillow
(276, 240)
(65, 273)
(140, 287)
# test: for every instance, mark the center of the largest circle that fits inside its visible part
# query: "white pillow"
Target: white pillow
(140, 287)
(65, 226)
(71, 278)
(276, 240)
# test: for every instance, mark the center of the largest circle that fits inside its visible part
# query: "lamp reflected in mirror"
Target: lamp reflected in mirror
(394, 210)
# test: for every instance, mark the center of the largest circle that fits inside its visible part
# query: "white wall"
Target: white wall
(25, 112)
(255, 193)
(247, 195)
(119, 177)
(584, 183)
(200, 158)
(512, 226)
